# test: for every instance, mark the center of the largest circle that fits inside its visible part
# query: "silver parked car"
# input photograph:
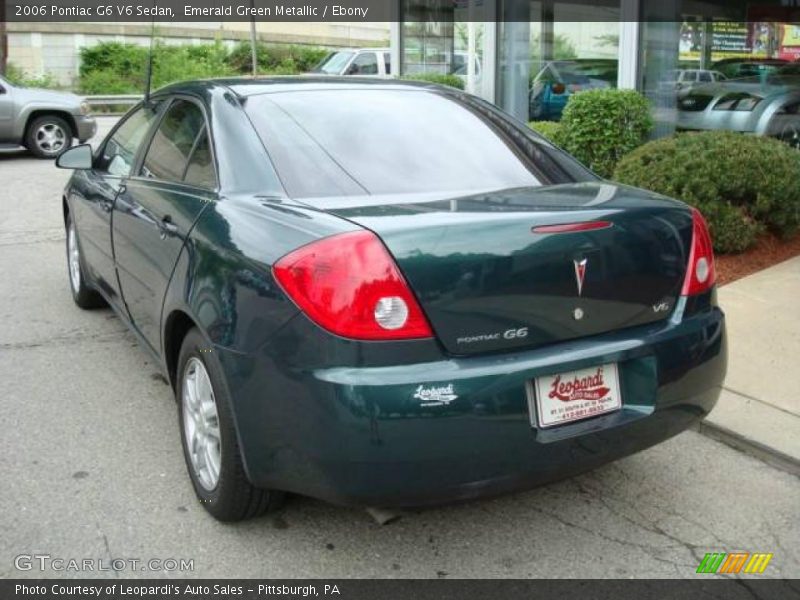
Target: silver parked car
(766, 105)
(43, 121)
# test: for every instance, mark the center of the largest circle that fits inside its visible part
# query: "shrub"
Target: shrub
(548, 129)
(17, 76)
(274, 59)
(741, 183)
(440, 78)
(600, 126)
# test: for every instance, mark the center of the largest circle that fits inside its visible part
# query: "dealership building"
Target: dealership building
(529, 56)
(526, 56)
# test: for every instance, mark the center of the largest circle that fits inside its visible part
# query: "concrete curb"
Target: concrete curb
(740, 442)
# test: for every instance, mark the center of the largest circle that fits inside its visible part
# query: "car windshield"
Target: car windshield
(394, 141)
(334, 63)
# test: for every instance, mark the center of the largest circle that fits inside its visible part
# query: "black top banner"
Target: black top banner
(433, 11)
(384, 589)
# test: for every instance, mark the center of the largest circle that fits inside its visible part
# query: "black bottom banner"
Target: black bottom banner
(389, 589)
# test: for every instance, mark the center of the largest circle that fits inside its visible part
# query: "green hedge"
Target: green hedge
(440, 78)
(115, 68)
(742, 183)
(551, 130)
(274, 59)
(599, 127)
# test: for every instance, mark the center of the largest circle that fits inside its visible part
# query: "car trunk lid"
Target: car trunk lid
(492, 272)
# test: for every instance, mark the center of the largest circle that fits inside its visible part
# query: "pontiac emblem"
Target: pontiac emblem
(580, 272)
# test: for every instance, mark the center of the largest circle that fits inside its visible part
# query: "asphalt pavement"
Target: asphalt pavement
(92, 466)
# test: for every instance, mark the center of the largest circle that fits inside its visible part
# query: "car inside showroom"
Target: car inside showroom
(704, 66)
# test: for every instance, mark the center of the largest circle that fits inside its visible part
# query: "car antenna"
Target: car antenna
(149, 73)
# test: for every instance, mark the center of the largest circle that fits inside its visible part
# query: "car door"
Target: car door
(158, 207)
(6, 113)
(93, 193)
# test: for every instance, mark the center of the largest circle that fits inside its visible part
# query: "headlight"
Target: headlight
(85, 108)
(741, 101)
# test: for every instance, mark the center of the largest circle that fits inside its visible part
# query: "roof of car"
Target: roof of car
(252, 86)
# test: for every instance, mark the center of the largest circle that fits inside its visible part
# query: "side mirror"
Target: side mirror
(352, 70)
(559, 88)
(79, 157)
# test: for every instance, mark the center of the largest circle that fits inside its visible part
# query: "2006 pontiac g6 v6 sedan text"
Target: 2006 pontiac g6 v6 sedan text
(389, 294)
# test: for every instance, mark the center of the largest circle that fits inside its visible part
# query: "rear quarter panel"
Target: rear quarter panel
(223, 278)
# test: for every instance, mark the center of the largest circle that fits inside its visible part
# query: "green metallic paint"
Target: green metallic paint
(336, 418)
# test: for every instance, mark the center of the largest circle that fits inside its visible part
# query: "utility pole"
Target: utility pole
(253, 42)
(3, 39)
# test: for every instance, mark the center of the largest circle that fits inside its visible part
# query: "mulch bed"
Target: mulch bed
(768, 251)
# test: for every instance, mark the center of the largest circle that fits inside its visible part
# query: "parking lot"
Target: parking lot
(92, 466)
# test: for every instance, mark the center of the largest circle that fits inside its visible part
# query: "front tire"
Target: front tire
(48, 136)
(82, 294)
(210, 446)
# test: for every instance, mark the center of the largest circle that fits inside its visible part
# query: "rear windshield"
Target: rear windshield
(362, 141)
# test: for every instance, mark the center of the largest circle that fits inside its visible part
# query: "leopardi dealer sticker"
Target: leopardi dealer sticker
(577, 395)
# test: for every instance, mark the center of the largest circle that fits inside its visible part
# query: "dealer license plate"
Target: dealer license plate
(576, 395)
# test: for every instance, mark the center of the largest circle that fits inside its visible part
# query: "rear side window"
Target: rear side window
(173, 142)
(387, 62)
(385, 141)
(200, 170)
(120, 150)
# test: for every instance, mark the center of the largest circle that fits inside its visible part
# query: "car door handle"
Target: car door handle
(167, 227)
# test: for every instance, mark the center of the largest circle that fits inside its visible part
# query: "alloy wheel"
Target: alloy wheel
(73, 258)
(201, 424)
(50, 138)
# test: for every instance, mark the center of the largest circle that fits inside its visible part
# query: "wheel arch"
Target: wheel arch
(43, 112)
(177, 324)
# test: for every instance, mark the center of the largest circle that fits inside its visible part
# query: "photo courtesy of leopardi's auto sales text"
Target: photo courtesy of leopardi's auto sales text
(431, 299)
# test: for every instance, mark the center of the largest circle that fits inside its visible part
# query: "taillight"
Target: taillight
(700, 272)
(351, 286)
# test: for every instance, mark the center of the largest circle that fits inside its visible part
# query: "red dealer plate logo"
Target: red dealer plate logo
(575, 395)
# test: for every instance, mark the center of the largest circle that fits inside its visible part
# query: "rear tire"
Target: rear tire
(82, 294)
(48, 136)
(208, 436)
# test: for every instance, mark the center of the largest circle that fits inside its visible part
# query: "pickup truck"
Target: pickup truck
(377, 62)
(44, 121)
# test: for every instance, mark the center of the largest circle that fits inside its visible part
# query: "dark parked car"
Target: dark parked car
(389, 294)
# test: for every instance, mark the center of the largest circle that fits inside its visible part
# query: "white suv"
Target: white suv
(375, 62)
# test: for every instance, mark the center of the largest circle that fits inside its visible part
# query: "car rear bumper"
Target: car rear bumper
(359, 436)
(86, 127)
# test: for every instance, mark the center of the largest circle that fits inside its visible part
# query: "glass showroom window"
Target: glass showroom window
(548, 52)
(723, 74)
(447, 38)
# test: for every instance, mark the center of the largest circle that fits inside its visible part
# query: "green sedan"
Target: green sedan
(388, 294)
